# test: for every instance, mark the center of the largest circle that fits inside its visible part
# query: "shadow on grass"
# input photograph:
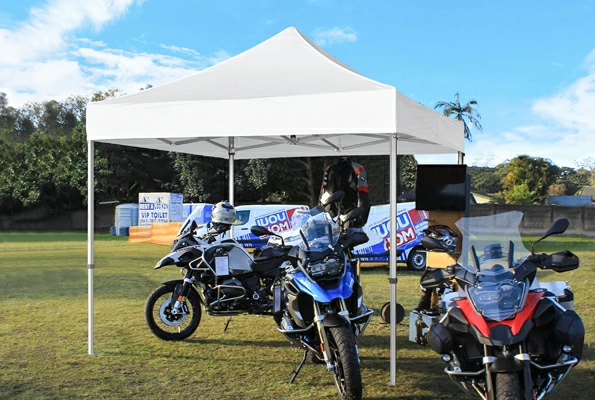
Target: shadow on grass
(240, 343)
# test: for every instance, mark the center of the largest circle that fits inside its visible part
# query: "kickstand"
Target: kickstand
(226, 325)
(297, 371)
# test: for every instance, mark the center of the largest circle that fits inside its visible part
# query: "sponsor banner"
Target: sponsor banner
(410, 226)
(276, 222)
(176, 206)
(159, 207)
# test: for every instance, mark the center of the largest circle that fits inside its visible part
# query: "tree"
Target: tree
(203, 179)
(571, 180)
(486, 179)
(528, 179)
(462, 113)
(288, 180)
(129, 171)
(589, 165)
(407, 173)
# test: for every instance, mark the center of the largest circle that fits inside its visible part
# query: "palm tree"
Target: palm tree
(461, 112)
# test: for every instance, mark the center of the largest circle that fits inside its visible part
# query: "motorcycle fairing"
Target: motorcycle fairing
(182, 255)
(515, 324)
(343, 290)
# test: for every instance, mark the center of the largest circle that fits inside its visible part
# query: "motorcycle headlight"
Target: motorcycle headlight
(328, 268)
(500, 300)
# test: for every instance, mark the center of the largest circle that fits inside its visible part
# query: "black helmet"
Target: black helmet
(446, 236)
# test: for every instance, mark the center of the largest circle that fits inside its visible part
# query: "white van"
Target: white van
(411, 224)
(275, 217)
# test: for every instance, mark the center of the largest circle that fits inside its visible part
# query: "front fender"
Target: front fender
(506, 364)
(173, 282)
(333, 320)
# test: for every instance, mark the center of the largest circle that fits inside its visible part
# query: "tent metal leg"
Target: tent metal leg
(393, 259)
(90, 236)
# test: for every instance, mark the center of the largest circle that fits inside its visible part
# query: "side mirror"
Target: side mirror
(353, 214)
(337, 196)
(557, 228)
(261, 231)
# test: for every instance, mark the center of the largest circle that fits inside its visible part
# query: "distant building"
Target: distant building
(588, 191)
(480, 198)
(570, 201)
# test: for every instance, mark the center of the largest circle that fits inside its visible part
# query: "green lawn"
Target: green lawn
(44, 347)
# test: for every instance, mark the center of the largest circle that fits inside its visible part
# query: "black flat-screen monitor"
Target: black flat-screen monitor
(441, 187)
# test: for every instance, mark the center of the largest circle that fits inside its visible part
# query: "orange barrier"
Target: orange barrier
(164, 232)
(139, 234)
(157, 233)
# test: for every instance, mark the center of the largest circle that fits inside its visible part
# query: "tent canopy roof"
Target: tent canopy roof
(283, 97)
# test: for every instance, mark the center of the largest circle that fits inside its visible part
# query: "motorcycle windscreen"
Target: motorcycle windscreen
(492, 240)
(319, 232)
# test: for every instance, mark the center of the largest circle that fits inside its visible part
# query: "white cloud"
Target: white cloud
(130, 71)
(573, 107)
(89, 42)
(184, 50)
(334, 35)
(46, 31)
(543, 141)
(43, 60)
(218, 57)
(564, 130)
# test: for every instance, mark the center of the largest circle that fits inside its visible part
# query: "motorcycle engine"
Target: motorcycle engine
(231, 288)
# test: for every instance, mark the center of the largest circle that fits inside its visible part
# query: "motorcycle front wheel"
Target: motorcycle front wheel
(163, 323)
(348, 378)
(507, 386)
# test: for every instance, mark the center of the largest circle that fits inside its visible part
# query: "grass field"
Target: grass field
(43, 332)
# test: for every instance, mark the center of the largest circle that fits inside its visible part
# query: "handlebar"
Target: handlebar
(561, 261)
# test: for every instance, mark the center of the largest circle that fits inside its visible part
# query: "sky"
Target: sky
(530, 65)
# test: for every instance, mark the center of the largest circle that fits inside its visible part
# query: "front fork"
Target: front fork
(180, 292)
(319, 321)
(524, 358)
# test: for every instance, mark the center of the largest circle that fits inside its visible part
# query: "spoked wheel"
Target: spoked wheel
(416, 261)
(348, 377)
(507, 386)
(163, 323)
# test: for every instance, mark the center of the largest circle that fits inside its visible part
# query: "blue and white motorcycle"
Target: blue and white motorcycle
(318, 303)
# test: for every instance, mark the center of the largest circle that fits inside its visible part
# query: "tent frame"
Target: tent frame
(231, 150)
(282, 93)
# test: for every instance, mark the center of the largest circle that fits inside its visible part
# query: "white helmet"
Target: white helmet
(223, 213)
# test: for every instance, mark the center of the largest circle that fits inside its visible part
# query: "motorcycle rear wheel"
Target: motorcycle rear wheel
(507, 386)
(169, 326)
(348, 378)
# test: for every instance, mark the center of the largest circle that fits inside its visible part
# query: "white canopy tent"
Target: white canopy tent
(285, 97)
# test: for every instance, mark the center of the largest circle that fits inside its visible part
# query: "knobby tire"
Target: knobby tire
(508, 386)
(348, 378)
(158, 298)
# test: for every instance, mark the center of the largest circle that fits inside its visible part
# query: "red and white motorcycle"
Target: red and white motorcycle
(506, 336)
